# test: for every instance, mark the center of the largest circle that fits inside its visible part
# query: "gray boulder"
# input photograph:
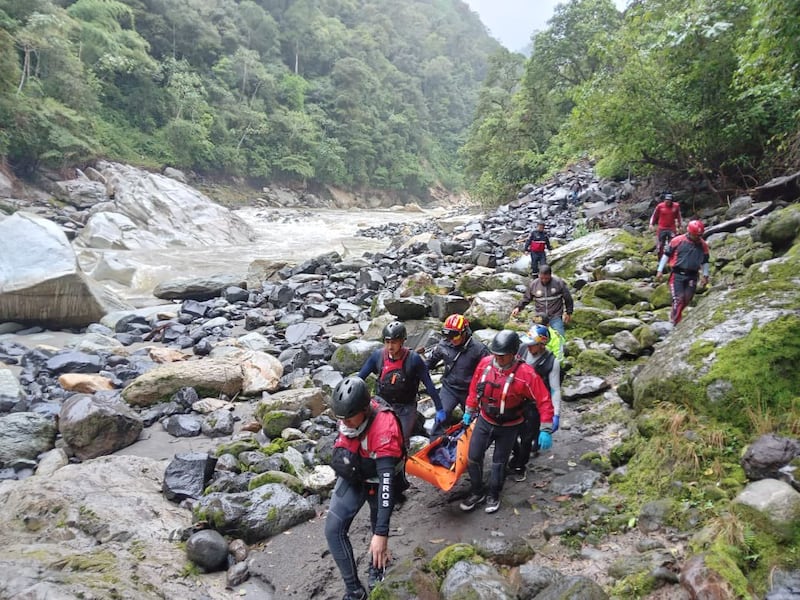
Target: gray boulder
(96, 426)
(25, 435)
(40, 280)
(256, 515)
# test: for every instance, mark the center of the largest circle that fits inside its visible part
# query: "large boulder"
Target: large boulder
(96, 426)
(209, 377)
(149, 210)
(40, 280)
(103, 522)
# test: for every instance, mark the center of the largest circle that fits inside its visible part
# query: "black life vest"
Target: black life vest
(395, 384)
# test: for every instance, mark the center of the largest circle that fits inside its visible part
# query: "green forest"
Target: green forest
(350, 92)
(402, 95)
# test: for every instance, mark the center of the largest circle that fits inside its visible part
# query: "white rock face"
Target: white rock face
(152, 211)
(40, 281)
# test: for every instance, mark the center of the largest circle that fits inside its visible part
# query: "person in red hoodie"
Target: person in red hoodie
(499, 392)
(667, 217)
(687, 254)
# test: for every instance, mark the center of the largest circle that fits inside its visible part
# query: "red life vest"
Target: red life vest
(537, 246)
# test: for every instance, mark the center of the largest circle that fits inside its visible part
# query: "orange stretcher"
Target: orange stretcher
(419, 464)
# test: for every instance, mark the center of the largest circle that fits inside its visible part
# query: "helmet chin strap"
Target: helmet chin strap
(353, 432)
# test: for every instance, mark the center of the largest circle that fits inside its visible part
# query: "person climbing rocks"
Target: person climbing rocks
(686, 255)
(535, 353)
(550, 296)
(667, 219)
(537, 244)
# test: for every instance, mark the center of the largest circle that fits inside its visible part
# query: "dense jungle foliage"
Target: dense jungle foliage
(388, 94)
(350, 92)
(700, 88)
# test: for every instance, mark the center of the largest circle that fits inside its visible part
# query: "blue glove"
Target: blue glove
(545, 440)
(467, 419)
(555, 423)
(441, 415)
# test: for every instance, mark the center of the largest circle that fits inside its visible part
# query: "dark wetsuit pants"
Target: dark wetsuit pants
(537, 258)
(450, 399)
(682, 288)
(662, 240)
(483, 435)
(346, 500)
(528, 438)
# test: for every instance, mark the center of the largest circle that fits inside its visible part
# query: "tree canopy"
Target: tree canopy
(348, 92)
(705, 88)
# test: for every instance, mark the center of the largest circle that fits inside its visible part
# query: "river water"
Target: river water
(293, 235)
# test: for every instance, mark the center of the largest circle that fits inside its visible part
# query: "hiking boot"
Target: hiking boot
(520, 474)
(359, 594)
(492, 505)
(375, 576)
(471, 501)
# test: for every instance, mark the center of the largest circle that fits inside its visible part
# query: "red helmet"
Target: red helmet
(695, 227)
(455, 325)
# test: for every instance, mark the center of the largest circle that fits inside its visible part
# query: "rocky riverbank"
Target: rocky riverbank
(247, 369)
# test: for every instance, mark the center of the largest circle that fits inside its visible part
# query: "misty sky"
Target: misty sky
(513, 21)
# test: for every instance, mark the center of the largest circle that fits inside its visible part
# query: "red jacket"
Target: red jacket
(383, 437)
(501, 403)
(666, 216)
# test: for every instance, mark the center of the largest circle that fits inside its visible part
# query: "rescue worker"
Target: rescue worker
(550, 296)
(686, 254)
(400, 370)
(535, 353)
(460, 353)
(368, 456)
(557, 341)
(667, 217)
(537, 244)
(500, 388)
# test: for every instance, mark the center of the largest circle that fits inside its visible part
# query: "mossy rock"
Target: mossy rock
(661, 296)
(287, 479)
(237, 447)
(406, 581)
(447, 557)
(348, 358)
(275, 421)
(483, 279)
(756, 255)
(596, 248)
(595, 362)
(780, 229)
(622, 453)
(606, 293)
(645, 336)
(588, 317)
(759, 369)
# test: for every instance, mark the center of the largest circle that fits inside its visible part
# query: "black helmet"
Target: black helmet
(505, 342)
(394, 331)
(350, 397)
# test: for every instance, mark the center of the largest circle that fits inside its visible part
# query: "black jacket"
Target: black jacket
(459, 362)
